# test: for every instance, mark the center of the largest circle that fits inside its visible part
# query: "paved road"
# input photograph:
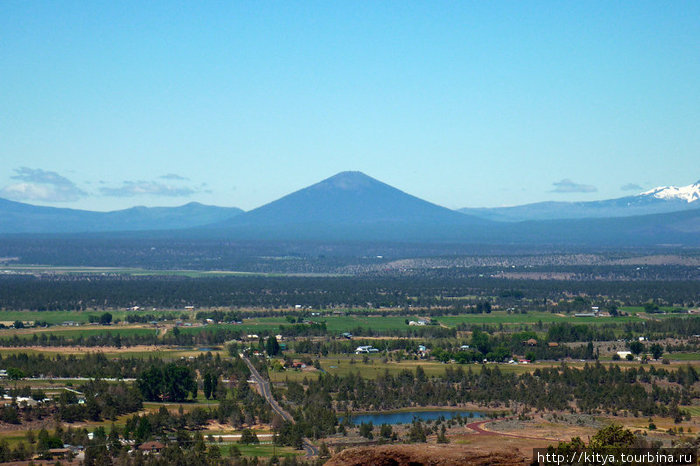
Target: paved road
(310, 448)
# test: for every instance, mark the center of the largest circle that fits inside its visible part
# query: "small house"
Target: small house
(59, 453)
(423, 351)
(365, 350)
(419, 323)
(151, 447)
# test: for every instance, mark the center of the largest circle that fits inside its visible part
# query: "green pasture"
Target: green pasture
(117, 270)
(682, 356)
(693, 410)
(77, 332)
(334, 324)
(533, 317)
(15, 437)
(58, 317)
(260, 450)
(339, 324)
(51, 269)
(187, 406)
(347, 323)
(343, 365)
(164, 353)
(640, 310)
(248, 326)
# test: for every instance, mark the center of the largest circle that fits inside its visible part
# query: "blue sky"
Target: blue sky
(106, 105)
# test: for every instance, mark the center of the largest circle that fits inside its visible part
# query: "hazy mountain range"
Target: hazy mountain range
(348, 206)
(352, 206)
(655, 201)
(17, 217)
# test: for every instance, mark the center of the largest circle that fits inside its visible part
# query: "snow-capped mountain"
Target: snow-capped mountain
(690, 193)
(663, 199)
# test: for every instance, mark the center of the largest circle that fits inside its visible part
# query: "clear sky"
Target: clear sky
(106, 105)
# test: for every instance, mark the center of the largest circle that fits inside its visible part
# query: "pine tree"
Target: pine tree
(323, 452)
(442, 437)
(207, 385)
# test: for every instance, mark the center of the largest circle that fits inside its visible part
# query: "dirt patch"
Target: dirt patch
(661, 259)
(561, 428)
(414, 455)
(87, 349)
(578, 420)
(536, 275)
(44, 462)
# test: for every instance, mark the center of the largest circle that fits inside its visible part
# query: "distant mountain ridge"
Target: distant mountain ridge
(690, 193)
(664, 199)
(17, 217)
(348, 197)
(348, 206)
(353, 207)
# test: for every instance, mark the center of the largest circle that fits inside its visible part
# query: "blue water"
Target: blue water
(406, 417)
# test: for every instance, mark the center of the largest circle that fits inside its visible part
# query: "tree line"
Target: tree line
(426, 291)
(594, 388)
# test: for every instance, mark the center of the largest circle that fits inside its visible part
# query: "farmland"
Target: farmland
(491, 341)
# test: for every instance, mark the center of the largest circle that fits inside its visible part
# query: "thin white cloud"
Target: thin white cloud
(147, 188)
(173, 176)
(568, 186)
(40, 185)
(631, 187)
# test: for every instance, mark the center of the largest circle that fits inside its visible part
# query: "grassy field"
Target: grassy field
(693, 410)
(58, 317)
(52, 351)
(348, 323)
(343, 365)
(502, 317)
(261, 450)
(248, 326)
(118, 270)
(76, 332)
(640, 310)
(51, 269)
(334, 324)
(341, 324)
(338, 324)
(682, 356)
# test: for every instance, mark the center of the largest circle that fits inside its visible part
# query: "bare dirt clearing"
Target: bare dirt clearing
(444, 455)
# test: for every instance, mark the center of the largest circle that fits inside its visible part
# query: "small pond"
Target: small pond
(406, 417)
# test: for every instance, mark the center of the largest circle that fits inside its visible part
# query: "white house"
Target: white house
(420, 322)
(365, 349)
